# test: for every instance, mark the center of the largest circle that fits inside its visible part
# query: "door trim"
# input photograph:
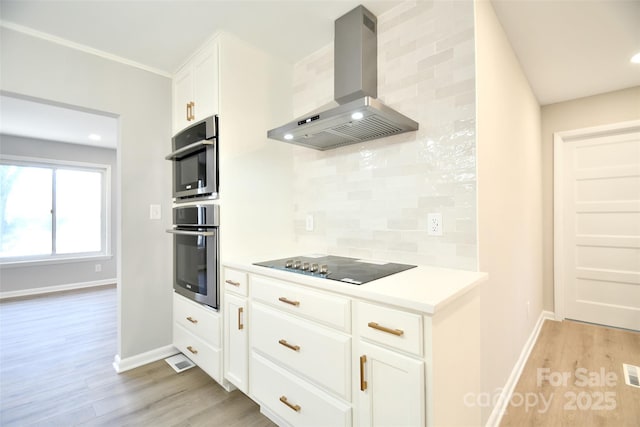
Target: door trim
(559, 141)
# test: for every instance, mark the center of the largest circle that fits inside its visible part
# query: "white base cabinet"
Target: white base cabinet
(235, 341)
(236, 326)
(196, 333)
(390, 388)
(319, 358)
(294, 400)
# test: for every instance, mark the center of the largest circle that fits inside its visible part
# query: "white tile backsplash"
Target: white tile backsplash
(371, 200)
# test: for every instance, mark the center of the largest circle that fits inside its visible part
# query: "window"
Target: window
(52, 210)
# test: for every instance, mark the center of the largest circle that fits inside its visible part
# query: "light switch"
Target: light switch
(155, 212)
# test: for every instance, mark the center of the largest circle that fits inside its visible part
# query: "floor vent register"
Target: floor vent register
(179, 362)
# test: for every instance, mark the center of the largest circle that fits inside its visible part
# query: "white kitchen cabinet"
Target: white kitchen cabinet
(386, 373)
(317, 353)
(324, 355)
(197, 330)
(390, 388)
(236, 340)
(196, 88)
(300, 353)
(292, 401)
(236, 356)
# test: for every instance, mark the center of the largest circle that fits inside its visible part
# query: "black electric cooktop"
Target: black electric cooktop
(349, 270)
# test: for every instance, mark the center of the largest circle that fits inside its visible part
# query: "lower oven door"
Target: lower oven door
(195, 264)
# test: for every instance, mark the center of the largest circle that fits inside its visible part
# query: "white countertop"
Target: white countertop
(424, 289)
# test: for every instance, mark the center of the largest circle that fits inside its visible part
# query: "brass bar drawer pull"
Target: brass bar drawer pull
(232, 282)
(363, 383)
(291, 346)
(240, 324)
(397, 332)
(284, 400)
(288, 301)
(193, 109)
(192, 320)
(188, 111)
(192, 350)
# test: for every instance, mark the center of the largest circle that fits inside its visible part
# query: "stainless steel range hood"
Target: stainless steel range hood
(359, 116)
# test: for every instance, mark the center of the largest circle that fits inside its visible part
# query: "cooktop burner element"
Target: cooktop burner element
(349, 270)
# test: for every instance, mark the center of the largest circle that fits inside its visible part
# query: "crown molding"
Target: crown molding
(83, 48)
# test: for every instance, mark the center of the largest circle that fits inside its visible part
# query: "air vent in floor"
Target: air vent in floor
(179, 362)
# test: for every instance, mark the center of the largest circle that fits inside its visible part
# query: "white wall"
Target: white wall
(613, 107)
(20, 278)
(142, 102)
(509, 202)
(255, 172)
(371, 200)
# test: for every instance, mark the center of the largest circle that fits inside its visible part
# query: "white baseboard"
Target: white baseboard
(507, 390)
(122, 365)
(57, 288)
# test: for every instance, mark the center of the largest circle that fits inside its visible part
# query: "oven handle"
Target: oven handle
(192, 233)
(189, 148)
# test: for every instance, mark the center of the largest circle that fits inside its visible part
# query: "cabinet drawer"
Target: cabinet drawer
(324, 308)
(202, 354)
(305, 405)
(395, 328)
(318, 353)
(235, 281)
(195, 318)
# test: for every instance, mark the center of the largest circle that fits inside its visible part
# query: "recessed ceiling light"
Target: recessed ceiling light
(95, 137)
(636, 58)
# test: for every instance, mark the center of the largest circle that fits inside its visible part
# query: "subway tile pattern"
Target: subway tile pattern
(371, 200)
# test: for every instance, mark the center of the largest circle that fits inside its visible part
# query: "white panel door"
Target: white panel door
(236, 350)
(390, 389)
(600, 228)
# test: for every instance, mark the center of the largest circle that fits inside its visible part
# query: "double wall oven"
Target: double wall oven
(196, 214)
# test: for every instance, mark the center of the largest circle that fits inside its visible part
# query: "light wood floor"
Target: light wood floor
(55, 370)
(590, 357)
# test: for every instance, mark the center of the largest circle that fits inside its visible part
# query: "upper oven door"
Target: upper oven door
(195, 160)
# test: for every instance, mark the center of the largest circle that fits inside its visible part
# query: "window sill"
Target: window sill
(53, 261)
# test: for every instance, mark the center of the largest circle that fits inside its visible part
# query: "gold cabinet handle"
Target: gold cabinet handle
(291, 346)
(193, 109)
(192, 320)
(284, 400)
(288, 301)
(396, 332)
(232, 282)
(188, 111)
(363, 383)
(240, 324)
(192, 350)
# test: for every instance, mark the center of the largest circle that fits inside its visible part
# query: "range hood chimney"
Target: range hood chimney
(359, 116)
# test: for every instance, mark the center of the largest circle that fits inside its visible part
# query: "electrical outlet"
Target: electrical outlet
(98, 268)
(309, 223)
(434, 224)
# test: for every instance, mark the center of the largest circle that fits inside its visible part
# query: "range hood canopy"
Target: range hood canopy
(359, 116)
